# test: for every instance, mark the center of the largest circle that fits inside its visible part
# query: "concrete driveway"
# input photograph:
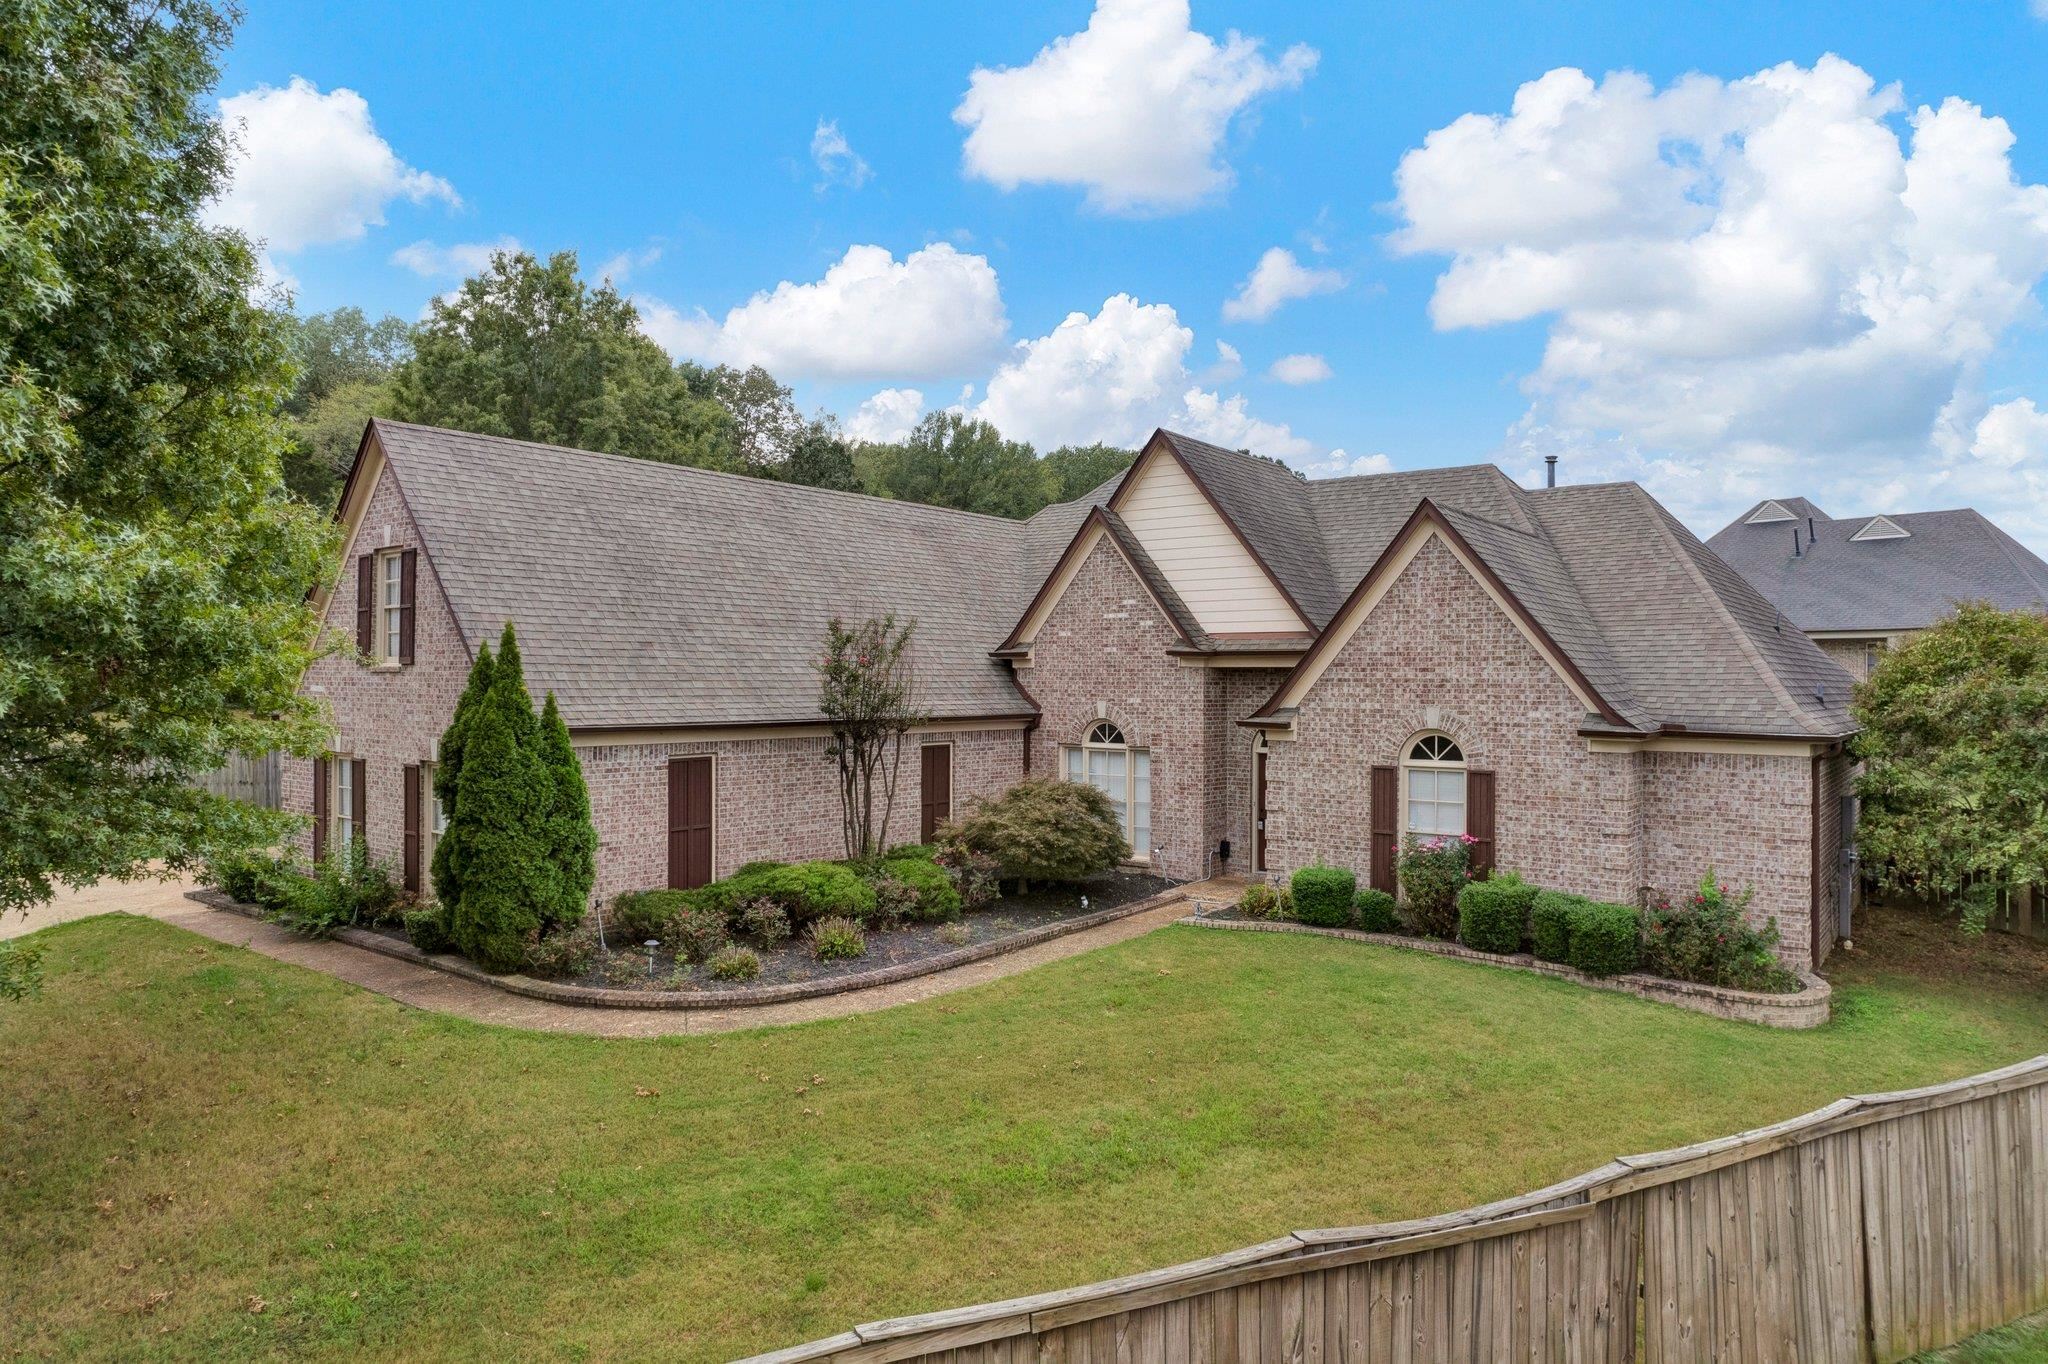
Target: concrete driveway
(153, 898)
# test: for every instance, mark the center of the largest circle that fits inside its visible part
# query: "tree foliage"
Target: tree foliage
(1081, 469)
(1955, 752)
(952, 460)
(528, 350)
(154, 572)
(345, 362)
(867, 692)
(1044, 829)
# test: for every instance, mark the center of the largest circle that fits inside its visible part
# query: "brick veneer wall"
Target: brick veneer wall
(1102, 652)
(771, 798)
(1437, 654)
(389, 716)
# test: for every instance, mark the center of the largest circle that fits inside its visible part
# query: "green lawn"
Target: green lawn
(2024, 1342)
(189, 1131)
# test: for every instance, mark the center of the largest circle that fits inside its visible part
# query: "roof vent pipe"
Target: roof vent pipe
(1796, 551)
(1809, 531)
(1550, 471)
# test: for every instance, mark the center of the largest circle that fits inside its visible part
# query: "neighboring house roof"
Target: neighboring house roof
(1882, 581)
(655, 595)
(651, 595)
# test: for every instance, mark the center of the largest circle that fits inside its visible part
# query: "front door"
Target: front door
(1259, 809)
(689, 822)
(935, 789)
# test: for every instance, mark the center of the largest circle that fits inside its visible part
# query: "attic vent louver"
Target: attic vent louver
(1882, 528)
(1769, 512)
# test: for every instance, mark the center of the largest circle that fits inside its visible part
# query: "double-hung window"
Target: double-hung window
(391, 605)
(1434, 777)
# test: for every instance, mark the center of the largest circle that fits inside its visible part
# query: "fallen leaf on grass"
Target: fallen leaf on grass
(255, 1305)
(643, 1092)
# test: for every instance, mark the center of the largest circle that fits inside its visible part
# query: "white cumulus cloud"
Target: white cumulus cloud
(311, 168)
(2012, 434)
(886, 416)
(1278, 279)
(1787, 281)
(1133, 109)
(1299, 369)
(837, 162)
(1113, 377)
(938, 311)
(429, 261)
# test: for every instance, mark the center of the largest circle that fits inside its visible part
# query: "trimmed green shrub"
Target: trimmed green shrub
(1493, 915)
(1048, 830)
(561, 955)
(1323, 895)
(448, 770)
(764, 921)
(924, 852)
(734, 963)
(804, 890)
(934, 898)
(1708, 938)
(504, 866)
(1604, 939)
(427, 929)
(1550, 923)
(836, 938)
(1432, 872)
(565, 827)
(1259, 901)
(1373, 911)
(637, 915)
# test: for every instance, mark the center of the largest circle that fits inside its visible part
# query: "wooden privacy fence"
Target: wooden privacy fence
(1871, 1229)
(258, 780)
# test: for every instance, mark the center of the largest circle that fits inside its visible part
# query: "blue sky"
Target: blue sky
(1906, 371)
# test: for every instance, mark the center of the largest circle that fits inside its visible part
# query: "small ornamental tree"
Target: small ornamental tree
(571, 837)
(868, 695)
(503, 862)
(1955, 752)
(1047, 830)
(448, 769)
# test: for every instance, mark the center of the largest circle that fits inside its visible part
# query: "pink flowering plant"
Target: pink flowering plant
(1433, 869)
(1707, 937)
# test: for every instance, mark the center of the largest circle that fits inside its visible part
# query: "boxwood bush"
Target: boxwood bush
(1605, 939)
(806, 890)
(1493, 915)
(637, 915)
(1323, 895)
(1550, 923)
(427, 929)
(934, 898)
(1374, 911)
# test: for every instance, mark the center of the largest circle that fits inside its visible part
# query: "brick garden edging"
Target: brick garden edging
(1809, 1008)
(605, 997)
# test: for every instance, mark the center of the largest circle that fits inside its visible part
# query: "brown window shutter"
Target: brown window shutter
(1479, 820)
(319, 808)
(689, 822)
(358, 772)
(1386, 818)
(935, 789)
(412, 827)
(366, 604)
(408, 573)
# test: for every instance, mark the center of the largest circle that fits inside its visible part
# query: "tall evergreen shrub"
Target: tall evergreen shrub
(571, 837)
(500, 852)
(448, 770)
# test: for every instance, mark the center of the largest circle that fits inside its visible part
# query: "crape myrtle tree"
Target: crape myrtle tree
(867, 691)
(518, 857)
(1955, 752)
(154, 571)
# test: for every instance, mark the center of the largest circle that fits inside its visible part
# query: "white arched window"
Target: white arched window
(1105, 760)
(1433, 775)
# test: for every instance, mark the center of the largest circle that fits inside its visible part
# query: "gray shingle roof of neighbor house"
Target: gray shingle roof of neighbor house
(1895, 582)
(655, 595)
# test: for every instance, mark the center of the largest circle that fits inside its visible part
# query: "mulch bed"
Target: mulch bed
(1931, 945)
(792, 963)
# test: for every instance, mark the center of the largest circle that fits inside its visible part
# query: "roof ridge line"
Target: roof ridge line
(1748, 645)
(755, 479)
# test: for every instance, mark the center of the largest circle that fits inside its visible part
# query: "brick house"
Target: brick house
(1864, 584)
(1262, 671)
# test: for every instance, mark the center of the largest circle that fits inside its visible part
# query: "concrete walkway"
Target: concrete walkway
(425, 988)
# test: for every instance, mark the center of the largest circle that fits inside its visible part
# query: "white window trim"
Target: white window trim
(1131, 752)
(340, 790)
(1411, 763)
(389, 585)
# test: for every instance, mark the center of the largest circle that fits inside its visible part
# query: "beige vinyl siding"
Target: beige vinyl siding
(1200, 555)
